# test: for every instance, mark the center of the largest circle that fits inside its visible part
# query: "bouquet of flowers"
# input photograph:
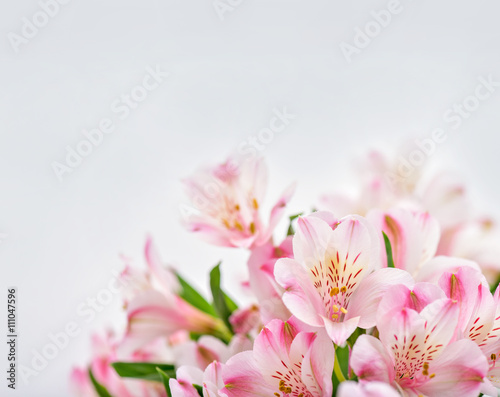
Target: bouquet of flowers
(389, 292)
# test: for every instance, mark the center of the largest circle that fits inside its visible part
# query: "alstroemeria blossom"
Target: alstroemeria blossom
(366, 389)
(417, 351)
(210, 380)
(414, 236)
(335, 280)
(158, 311)
(104, 352)
(284, 362)
(479, 318)
(227, 203)
(262, 282)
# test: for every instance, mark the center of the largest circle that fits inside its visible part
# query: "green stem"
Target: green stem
(337, 370)
(223, 333)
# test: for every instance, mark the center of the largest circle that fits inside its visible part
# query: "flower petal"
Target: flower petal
(300, 296)
(370, 360)
(459, 370)
(366, 389)
(365, 300)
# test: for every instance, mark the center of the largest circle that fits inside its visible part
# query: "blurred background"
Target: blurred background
(355, 75)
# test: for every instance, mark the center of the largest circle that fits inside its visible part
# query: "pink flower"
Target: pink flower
(366, 389)
(227, 202)
(417, 351)
(479, 318)
(105, 352)
(477, 239)
(186, 377)
(208, 349)
(262, 282)
(157, 311)
(414, 237)
(284, 362)
(210, 380)
(335, 280)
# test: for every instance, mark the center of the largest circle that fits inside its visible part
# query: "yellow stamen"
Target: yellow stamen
(252, 228)
(343, 289)
(238, 226)
(255, 204)
(335, 308)
(432, 376)
(334, 291)
(343, 310)
(335, 316)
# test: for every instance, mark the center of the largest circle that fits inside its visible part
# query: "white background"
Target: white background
(226, 76)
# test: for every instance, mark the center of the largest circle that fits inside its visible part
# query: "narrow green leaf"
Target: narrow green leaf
(220, 299)
(342, 354)
(165, 379)
(355, 335)
(337, 375)
(190, 295)
(388, 250)
(145, 371)
(291, 229)
(199, 389)
(100, 389)
(495, 285)
(231, 305)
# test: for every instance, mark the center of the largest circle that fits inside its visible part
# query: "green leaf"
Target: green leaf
(231, 305)
(355, 335)
(337, 375)
(342, 354)
(291, 230)
(199, 389)
(222, 308)
(190, 295)
(145, 371)
(388, 250)
(100, 389)
(165, 379)
(495, 285)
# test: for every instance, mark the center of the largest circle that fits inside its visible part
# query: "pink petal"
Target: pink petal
(370, 360)
(441, 318)
(434, 269)
(416, 298)
(317, 365)
(212, 380)
(278, 210)
(182, 386)
(165, 277)
(366, 389)
(462, 286)
(300, 296)
(242, 378)
(311, 240)
(414, 237)
(365, 300)
(459, 370)
(339, 332)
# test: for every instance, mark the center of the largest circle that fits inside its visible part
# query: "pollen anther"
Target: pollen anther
(334, 291)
